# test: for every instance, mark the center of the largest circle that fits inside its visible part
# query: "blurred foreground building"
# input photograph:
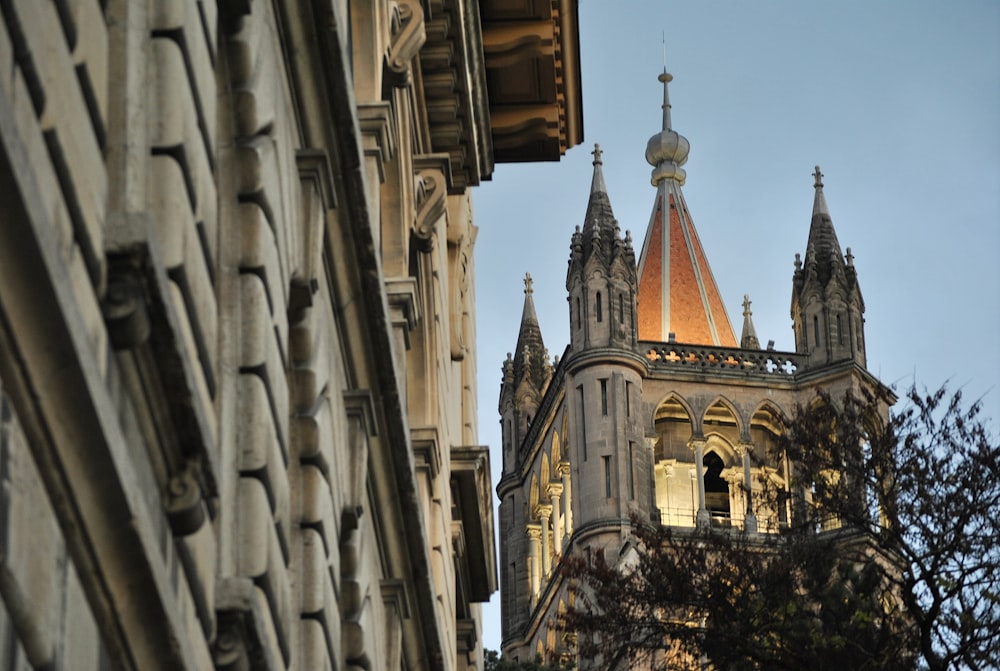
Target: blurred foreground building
(655, 408)
(237, 347)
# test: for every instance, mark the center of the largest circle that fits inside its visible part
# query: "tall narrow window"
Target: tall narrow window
(600, 309)
(840, 331)
(604, 397)
(816, 329)
(579, 313)
(621, 308)
(582, 422)
(631, 478)
(607, 476)
(628, 399)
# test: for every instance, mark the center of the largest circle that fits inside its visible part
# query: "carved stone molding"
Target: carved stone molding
(361, 426)
(241, 643)
(378, 129)
(185, 507)
(427, 449)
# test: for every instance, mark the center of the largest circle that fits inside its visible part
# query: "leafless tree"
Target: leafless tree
(890, 559)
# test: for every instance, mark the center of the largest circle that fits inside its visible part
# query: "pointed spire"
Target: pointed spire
(599, 223)
(748, 340)
(823, 255)
(597, 183)
(677, 292)
(819, 203)
(827, 306)
(531, 359)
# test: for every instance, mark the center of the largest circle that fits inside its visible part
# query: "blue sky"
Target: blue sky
(899, 104)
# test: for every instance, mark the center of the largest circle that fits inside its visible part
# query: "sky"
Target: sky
(897, 101)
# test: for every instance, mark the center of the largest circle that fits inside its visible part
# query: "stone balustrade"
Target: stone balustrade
(732, 361)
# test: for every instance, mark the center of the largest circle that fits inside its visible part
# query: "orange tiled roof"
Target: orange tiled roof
(677, 292)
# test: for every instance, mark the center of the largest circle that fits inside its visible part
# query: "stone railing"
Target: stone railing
(727, 361)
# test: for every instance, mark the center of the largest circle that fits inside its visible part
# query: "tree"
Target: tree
(891, 560)
(494, 662)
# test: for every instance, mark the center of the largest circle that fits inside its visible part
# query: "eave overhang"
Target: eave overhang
(532, 58)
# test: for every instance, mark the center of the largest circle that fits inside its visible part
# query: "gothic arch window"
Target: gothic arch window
(840, 331)
(600, 308)
(621, 308)
(816, 329)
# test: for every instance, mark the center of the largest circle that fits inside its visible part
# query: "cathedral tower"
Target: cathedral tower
(656, 412)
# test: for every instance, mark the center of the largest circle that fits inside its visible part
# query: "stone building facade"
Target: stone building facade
(237, 346)
(655, 409)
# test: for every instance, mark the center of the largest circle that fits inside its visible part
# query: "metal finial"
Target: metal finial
(597, 154)
(527, 284)
(819, 178)
(665, 77)
(746, 305)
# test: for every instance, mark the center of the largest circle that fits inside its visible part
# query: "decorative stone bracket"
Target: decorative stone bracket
(408, 35)
(431, 201)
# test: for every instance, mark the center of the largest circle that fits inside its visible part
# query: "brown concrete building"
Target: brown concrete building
(237, 349)
(655, 409)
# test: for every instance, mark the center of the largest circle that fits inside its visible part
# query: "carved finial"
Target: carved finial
(597, 154)
(665, 78)
(749, 338)
(818, 176)
(798, 261)
(527, 284)
(850, 257)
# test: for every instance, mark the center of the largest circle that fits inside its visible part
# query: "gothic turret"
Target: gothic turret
(677, 292)
(827, 307)
(526, 376)
(601, 279)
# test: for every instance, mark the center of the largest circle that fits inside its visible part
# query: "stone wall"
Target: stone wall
(237, 354)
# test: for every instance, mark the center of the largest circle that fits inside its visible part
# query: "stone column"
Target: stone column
(750, 522)
(667, 514)
(544, 513)
(567, 497)
(555, 491)
(698, 445)
(534, 532)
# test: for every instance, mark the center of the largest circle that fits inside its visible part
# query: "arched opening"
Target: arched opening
(772, 470)
(675, 482)
(716, 489)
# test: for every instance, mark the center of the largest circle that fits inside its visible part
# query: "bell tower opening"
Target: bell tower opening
(716, 489)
